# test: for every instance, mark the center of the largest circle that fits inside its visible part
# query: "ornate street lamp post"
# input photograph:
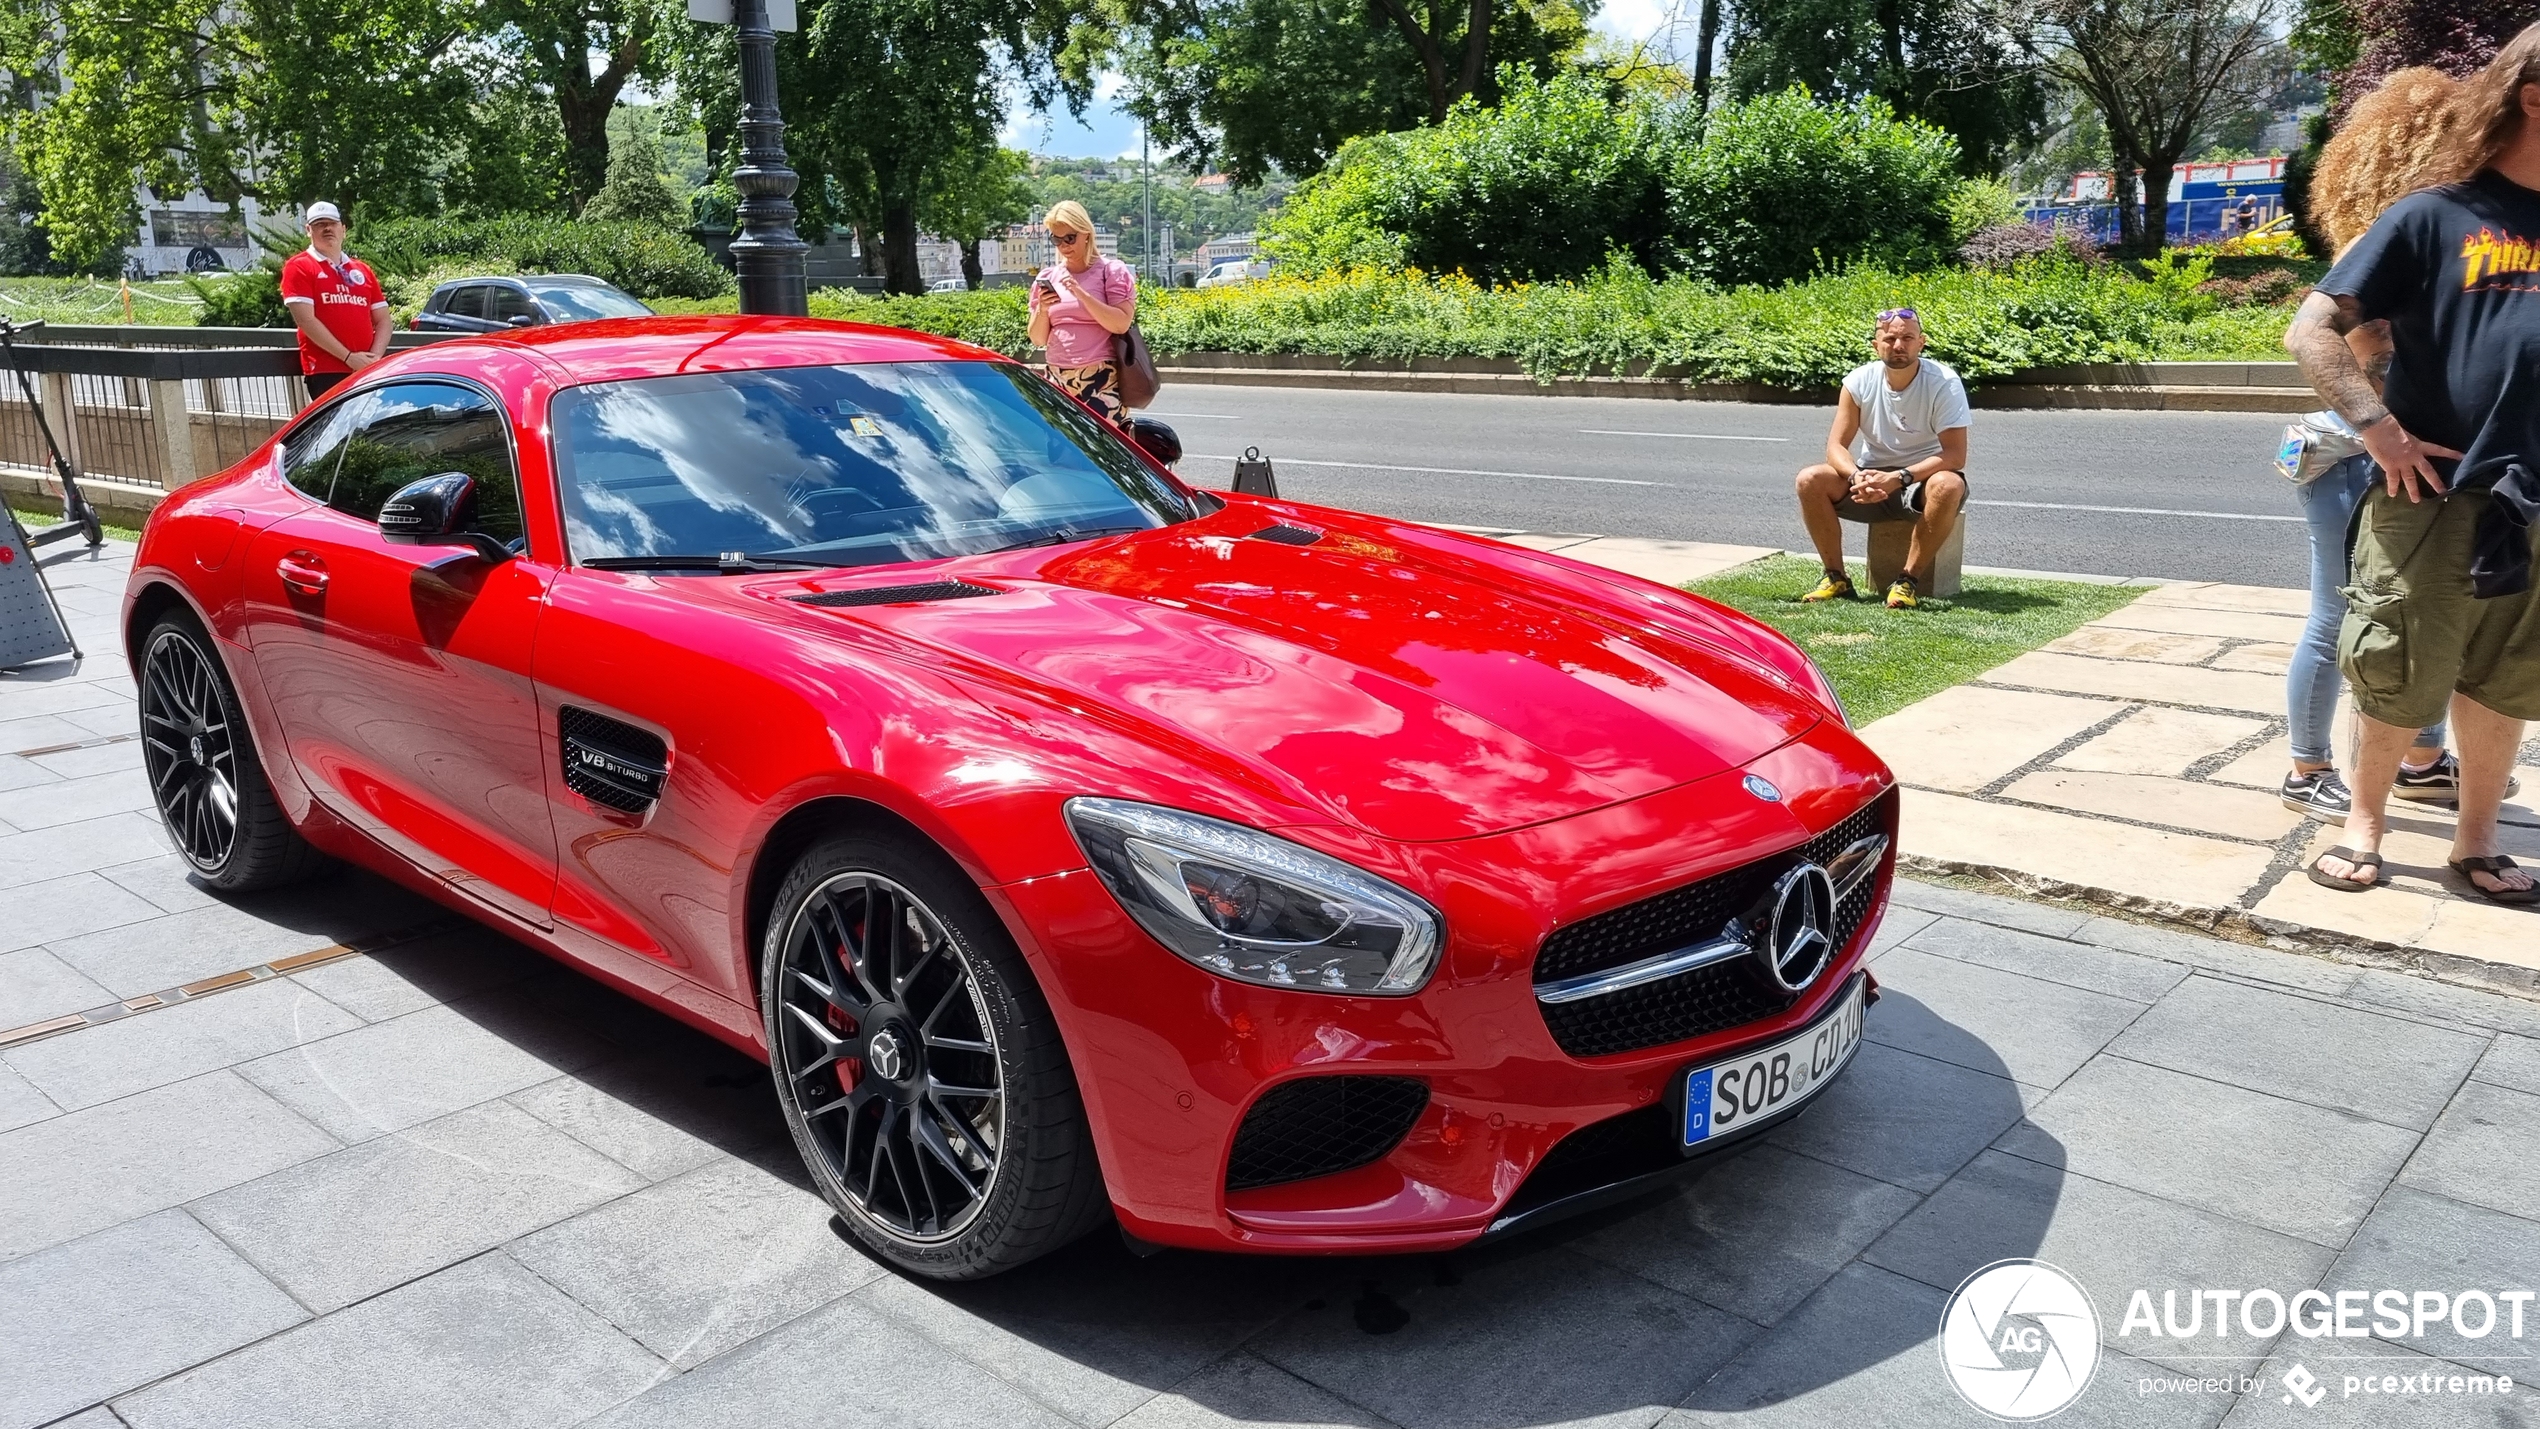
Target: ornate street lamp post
(768, 256)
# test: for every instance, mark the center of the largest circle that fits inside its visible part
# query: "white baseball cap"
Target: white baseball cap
(323, 209)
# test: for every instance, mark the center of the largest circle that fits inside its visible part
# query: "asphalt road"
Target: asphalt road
(2187, 495)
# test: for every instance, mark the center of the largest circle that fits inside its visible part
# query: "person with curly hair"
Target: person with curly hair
(2441, 607)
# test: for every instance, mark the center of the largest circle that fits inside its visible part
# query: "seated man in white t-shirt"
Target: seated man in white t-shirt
(1907, 414)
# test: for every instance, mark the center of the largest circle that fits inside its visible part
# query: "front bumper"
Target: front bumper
(1169, 1058)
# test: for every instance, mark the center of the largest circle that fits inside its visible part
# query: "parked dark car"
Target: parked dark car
(494, 304)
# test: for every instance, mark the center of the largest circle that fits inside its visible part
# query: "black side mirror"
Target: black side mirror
(437, 511)
(523, 320)
(1156, 439)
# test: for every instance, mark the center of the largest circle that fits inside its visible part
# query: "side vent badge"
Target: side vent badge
(611, 763)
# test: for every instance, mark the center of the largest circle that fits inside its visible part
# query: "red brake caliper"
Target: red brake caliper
(850, 1069)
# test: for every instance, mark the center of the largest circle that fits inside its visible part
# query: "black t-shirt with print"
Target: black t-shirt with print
(2456, 270)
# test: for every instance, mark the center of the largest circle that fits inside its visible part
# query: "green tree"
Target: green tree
(634, 188)
(1257, 85)
(556, 40)
(1936, 60)
(284, 101)
(972, 195)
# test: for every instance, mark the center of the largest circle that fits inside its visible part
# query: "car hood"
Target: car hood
(1406, 691)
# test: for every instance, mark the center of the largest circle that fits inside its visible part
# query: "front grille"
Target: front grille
(897, 594)
(1707, 999)
(1320, 1125)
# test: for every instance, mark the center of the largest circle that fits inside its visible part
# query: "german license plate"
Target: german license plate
(1725, 1096)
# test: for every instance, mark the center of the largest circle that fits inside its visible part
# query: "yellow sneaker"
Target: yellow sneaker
(1833, 587)
(1902, 594)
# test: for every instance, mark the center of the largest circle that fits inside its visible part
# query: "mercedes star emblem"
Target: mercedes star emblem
(1762, 788)
(1797, 943)
(885, 1056)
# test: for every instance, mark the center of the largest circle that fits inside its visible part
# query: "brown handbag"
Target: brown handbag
(1136, 367)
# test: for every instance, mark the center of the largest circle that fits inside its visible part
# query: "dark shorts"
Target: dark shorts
(1905, 505)
(321, 383)
(2414, 632)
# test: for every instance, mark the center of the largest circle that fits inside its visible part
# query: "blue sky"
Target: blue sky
(1106, 132)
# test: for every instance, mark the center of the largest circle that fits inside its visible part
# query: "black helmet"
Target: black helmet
(1156, 439)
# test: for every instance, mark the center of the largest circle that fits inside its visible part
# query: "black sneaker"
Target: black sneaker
(2439, 782)
(2319, 795)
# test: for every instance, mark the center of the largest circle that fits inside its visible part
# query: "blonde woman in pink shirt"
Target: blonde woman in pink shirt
(1079, 303)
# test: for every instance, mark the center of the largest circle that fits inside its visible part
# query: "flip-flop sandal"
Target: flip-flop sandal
(2361, 861)
(2498, 864)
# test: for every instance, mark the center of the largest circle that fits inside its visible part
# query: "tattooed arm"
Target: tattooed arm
(2318, 342)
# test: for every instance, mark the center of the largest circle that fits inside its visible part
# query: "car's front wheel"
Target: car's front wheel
(919, 1067)
(205, 775)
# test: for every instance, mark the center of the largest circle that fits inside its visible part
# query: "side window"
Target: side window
(509, 303)
(310, 455)
(467, 302)
(410, 430)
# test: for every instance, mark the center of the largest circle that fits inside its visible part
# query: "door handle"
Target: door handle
(303, 573)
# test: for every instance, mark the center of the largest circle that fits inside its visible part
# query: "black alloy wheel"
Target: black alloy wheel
(918, 1067)
(892, 1057)
(188, 748)
(204, 772)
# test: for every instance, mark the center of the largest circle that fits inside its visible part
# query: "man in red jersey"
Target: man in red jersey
(336, 303)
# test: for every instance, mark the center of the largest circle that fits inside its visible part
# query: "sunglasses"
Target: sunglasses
(1895, 314)
(1067, 240)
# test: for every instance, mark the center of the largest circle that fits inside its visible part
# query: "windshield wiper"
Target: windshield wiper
(1073, 533)
(730, 563)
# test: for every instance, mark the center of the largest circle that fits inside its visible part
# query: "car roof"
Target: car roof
(614, 349)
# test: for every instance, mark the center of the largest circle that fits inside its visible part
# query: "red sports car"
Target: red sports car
(1074, 843)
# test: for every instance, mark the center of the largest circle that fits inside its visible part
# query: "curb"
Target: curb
(2267, 387)
(2343, 948)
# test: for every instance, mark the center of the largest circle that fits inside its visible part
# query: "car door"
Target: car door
(401, 673)
(465, 312)
(506, 304)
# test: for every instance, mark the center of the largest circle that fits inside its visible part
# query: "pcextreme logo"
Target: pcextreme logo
(2019, 1340)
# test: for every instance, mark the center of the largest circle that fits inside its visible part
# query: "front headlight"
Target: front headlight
(1258, 909)
(1825, 687)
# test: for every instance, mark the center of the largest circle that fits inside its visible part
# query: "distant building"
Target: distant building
(1223, 247)
(177, 235)
(1212, 183)
(1027, 246)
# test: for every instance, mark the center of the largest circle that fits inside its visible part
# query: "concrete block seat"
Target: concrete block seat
(1889, 542)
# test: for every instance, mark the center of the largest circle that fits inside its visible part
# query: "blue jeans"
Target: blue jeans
(2311, 680)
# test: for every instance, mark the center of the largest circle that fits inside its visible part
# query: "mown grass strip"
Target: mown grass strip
(1882, 660)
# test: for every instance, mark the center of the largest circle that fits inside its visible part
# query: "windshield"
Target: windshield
(572, 301)
(868, 464)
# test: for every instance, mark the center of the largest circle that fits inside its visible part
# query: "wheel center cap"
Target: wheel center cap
(194, 747)
(885, 1055)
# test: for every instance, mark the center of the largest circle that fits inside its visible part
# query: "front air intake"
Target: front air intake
(1318, 1125)
(897, 594)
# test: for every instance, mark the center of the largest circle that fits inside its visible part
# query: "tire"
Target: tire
(920, 1070)
(205, 774)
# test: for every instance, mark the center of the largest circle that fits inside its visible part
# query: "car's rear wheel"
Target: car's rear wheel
(919, 1067)
(204, 772)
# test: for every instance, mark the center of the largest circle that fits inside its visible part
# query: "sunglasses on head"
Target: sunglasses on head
(1896, 314)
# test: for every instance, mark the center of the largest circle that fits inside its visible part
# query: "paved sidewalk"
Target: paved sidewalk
(445, 1181)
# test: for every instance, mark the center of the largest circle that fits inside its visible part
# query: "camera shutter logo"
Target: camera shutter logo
(2019, 1340)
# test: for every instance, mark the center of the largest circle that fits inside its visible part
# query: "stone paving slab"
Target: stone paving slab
(448, 1182)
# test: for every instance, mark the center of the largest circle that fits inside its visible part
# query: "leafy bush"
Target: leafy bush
(249, 299)
(1782, 186)
(1975, 205)
(2004, 244)
(1554, 180)
(645, 259)
(1987, 322)
(1541, 187)
(2268, 287)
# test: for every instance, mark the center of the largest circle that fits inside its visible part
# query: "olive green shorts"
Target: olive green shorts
(2413, 631)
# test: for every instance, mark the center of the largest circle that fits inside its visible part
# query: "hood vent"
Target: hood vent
(897, 594)
(1287, 535)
